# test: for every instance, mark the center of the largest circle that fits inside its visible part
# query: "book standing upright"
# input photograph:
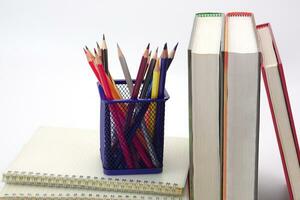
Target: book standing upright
(241, 108)
(205, 105)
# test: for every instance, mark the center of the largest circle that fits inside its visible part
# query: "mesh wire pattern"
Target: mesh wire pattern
(131, 142)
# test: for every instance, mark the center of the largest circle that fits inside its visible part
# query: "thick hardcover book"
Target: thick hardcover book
(205, 56)
(275, 85)
(241, 107)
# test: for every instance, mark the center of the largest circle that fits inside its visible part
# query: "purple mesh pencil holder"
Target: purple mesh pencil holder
(131, 133)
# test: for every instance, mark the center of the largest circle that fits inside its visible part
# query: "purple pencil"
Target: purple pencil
(137, 85)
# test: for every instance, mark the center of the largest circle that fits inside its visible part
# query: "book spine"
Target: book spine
(108, 184)
(286, 96)
(191, 171)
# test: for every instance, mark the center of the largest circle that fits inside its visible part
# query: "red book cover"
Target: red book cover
(288, 106)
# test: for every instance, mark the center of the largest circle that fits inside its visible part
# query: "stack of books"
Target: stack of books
(64, 163)
(225, 57)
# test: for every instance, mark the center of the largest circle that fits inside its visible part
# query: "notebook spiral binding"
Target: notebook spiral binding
(92, 183)
(82, 196)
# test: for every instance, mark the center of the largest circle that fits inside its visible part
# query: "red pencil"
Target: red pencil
(91, 63)
(115, 110)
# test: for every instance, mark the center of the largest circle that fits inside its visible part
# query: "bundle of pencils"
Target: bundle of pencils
(136, 140)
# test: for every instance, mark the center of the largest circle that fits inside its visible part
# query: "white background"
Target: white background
(45, 79)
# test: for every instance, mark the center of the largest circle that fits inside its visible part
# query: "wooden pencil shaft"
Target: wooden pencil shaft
(91, 63)
(105, 52)
(162, 78)
(104, 56)
(126, 73)
(136, 88)
(172, 55)
(139, 77)
(148, 78)
(155, 80)
(169, 62)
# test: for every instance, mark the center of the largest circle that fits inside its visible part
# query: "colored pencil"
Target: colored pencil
(104, 55)
(155, 80)
(136, 87)
(149, 74)
(140, 74)
(91, 63)
(125, 69)
(89, 53)
(172, 55)
(158, 136)
(99, 50)
(150, 116)
(163, 72)
(102, 52)
(113, 89)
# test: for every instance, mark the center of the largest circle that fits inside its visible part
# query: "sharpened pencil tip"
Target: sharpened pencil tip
(120, 53)
(176, 46)
(98, 46)
(148, 46)
(95, 51)
(156, 50)
(103, 37)
(165, 46)
(86, 48)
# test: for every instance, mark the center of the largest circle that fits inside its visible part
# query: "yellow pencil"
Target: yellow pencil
(154, 94)
(155, 80)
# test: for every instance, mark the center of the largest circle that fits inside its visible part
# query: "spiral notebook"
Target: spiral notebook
(11, 192)
(63, 157)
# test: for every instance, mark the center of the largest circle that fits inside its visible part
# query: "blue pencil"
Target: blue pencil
(159, 125)
(164, 61)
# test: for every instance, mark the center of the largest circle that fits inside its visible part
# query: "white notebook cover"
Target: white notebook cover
(67, 157)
